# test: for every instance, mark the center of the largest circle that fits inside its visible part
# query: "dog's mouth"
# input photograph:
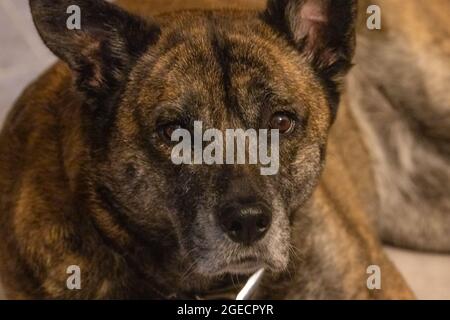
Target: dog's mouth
(246, 265)
(240, 265)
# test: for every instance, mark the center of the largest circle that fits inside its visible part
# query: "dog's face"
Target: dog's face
(142, 80)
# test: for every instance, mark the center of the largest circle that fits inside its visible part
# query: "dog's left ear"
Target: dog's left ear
(102, 50)
(322, 30)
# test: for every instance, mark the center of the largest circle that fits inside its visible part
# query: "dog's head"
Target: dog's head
(142, 79)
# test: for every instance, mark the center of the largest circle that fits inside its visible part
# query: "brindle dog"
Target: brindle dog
(86, 175)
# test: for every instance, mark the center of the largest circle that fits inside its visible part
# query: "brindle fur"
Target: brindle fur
(404, 120)
(86, 181)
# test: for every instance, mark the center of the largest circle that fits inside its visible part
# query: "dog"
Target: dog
(87, 179)
(404, 121)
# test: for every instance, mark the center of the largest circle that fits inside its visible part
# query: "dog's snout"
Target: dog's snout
(245, 223)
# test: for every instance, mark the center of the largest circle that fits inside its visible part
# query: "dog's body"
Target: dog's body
(52, 216)
(399, 95)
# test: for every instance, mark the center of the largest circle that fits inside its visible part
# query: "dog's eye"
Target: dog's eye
(166, 131)
(283, 122)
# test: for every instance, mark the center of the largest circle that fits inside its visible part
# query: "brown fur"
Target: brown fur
(404, 122)
(52, 216)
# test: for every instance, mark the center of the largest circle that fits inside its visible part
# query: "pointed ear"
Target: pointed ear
(323, 31)
(101, 52)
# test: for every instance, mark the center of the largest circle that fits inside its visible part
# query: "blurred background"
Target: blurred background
(23, 57)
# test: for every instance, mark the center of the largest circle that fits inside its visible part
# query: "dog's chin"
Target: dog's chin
(241, 267)
(238, 269)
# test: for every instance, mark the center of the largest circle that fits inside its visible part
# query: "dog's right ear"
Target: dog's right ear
(101, 52)
(322, 30)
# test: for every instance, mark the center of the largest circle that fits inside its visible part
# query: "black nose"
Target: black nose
(245, 223)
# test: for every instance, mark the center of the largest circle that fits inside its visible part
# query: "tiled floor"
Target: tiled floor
(23, 57)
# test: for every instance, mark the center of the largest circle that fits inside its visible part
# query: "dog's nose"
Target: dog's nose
(245, 223)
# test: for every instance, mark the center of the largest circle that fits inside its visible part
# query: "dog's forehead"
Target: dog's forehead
(214, 66)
